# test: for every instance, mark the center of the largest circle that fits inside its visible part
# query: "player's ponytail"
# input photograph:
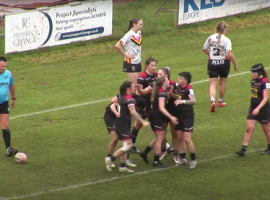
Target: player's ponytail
(264, 74)
(221, 27)
(157, 85)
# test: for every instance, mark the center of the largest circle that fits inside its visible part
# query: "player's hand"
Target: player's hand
(255, 111)
(174, 120)
(118, 115)
(235, 68)
(178, 102)
(130, 56)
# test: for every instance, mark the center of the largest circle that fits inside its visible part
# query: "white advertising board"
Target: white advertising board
(51, 26)
(191, 11)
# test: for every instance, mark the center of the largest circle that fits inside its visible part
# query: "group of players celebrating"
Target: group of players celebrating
(163, 102)
(152, 95)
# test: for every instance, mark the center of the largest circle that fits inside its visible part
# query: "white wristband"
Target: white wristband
(185, 101)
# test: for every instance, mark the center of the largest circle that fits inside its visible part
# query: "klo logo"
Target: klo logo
(196, 9)
(203, 4)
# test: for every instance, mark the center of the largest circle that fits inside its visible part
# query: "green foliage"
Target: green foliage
(66, 147)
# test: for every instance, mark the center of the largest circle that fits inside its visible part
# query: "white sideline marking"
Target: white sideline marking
(98, 101)
(60, 108)
(117, 177)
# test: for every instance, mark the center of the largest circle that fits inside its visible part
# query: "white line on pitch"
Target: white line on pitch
(116, 178)
(102, 100)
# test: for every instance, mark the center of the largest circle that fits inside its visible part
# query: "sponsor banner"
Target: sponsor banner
(51, 26)
(191, 11)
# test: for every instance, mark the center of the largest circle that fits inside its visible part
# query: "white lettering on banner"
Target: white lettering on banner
(191, 15)
(58, 25)
(191, 11)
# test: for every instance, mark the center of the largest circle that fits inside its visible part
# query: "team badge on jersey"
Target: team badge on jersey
(254, 93)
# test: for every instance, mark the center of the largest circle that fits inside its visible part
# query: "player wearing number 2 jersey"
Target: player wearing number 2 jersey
(219, 49)
(259, 110)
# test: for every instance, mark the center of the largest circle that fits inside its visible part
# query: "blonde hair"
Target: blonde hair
(158, 84)
(221, 27)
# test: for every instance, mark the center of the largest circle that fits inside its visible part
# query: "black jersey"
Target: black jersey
(182, 93)
(141, 111)
(170, 100)
(160, 95)
(108, 109)
(123, 106)
(257, 87)
(145, 80)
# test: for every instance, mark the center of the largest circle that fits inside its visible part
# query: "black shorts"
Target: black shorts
(157, 120)
(263, 117)
(122, 128)
(109, 119)
(4, 108)
(218, 68)
(147, 108)
(172, 110)
(186, 122)
(130, 68)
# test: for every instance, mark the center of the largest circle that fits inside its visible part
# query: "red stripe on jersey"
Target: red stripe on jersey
(172, 82)
(128, 97)
(137, 41)
(143, 75)
(264, 80)
(188, 87)
(161, 90)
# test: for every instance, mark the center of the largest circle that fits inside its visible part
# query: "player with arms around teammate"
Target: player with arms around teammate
(157, 116)
(144, 87)
(219, 49)
(185, 115)
(259, 110)
(132, 41)
(170, 107)
(122, 125)
(110, 115)
(6, 87)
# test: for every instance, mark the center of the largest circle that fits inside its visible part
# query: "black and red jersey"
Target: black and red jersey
(170, 100)
(145, 80)
(257, 87)
(160, 95)
(123, 106)
(183, 93)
